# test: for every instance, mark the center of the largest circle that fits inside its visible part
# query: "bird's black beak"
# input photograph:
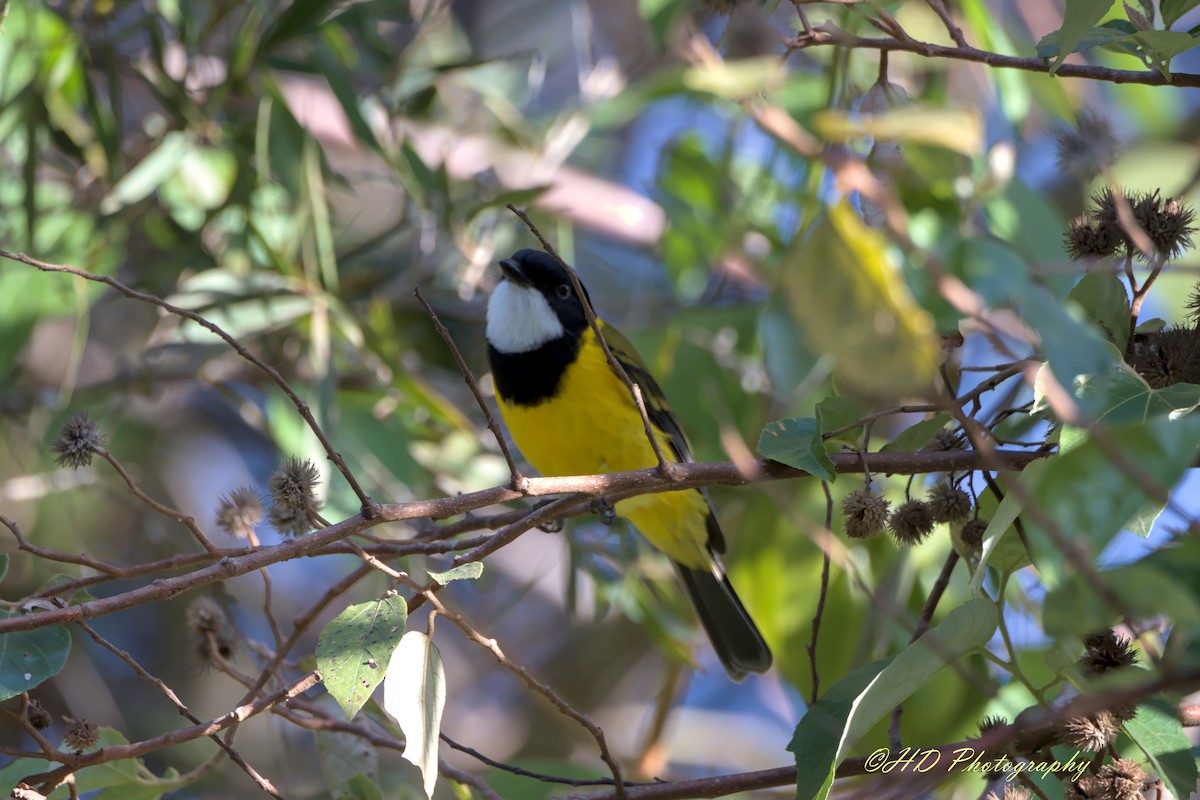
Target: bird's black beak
(512, 270)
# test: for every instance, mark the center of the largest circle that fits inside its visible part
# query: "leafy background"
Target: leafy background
(293, 171)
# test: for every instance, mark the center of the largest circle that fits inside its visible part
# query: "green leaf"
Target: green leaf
(3, 566)
(916, 436)
(1162, 46)
(1114, 32)
(353, 648)
(149, 173)
(844, 714)
(1079, 17)
(301, 16)
(851, 302)
(1172, 10)
(344, 757)
(1120, 396)
(360, 787)
(816, 738)
(414, 694)
(1089, 499)
(835, 412)
(1162, 583)
(1001, 550)
(797, 443)
(463, 572)
(29, 657)
(660, 16)
(1157, 731)
(1071, 346)
(1105, 301)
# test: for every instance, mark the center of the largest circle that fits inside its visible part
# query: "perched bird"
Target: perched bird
(571, 414)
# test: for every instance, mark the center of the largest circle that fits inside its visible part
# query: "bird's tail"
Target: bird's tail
(734, 635)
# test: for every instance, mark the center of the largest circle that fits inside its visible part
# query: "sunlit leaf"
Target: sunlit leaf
(960, 130)
(463, 572)
(353, 649)
(852, 303)
(414, 694)
(150, 172)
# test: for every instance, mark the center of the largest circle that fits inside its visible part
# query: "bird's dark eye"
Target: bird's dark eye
(562, 291)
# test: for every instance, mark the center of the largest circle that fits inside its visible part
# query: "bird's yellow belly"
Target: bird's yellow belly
(591, 426)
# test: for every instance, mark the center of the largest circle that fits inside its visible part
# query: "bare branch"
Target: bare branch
(369, 506)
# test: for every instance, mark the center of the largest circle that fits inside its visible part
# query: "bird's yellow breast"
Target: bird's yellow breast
(590, 425)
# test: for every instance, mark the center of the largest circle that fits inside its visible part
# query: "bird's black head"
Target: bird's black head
(534, 304)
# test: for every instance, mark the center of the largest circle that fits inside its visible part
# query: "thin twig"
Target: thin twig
(188, 521)
(518, 480)
(173, 698)
(369, 506)
(830, 36)
(534, 684)
(943, 14)
(811, 647)
(622, 484)
(73, 762)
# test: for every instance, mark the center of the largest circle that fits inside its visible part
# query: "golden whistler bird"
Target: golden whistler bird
(571, 414)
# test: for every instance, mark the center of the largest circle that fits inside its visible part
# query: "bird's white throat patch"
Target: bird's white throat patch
(519, 319)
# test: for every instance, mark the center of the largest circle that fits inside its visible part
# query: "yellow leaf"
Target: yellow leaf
(852, 303)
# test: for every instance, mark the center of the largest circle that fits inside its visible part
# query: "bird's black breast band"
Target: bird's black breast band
(527, 379)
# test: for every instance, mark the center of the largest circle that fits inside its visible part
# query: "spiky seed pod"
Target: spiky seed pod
(239, 512)
(1011, 792)
(81, 734)
(1168, 223)
(949, 503)
(208, 629)
(1166, 357)
(1105, 651)
(972, 533)
(1123, 712)
(1089, 148)
(37, 715)
(1088, 240)
(293, 490)
(204, 615)
(78, 439)
(1086, 788)
(944, 440)
(911, 522)
(1092, 733)
(986, 726)
(1122, 779)
(866, 514)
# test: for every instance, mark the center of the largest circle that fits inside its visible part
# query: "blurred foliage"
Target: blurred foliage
(291, 171)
